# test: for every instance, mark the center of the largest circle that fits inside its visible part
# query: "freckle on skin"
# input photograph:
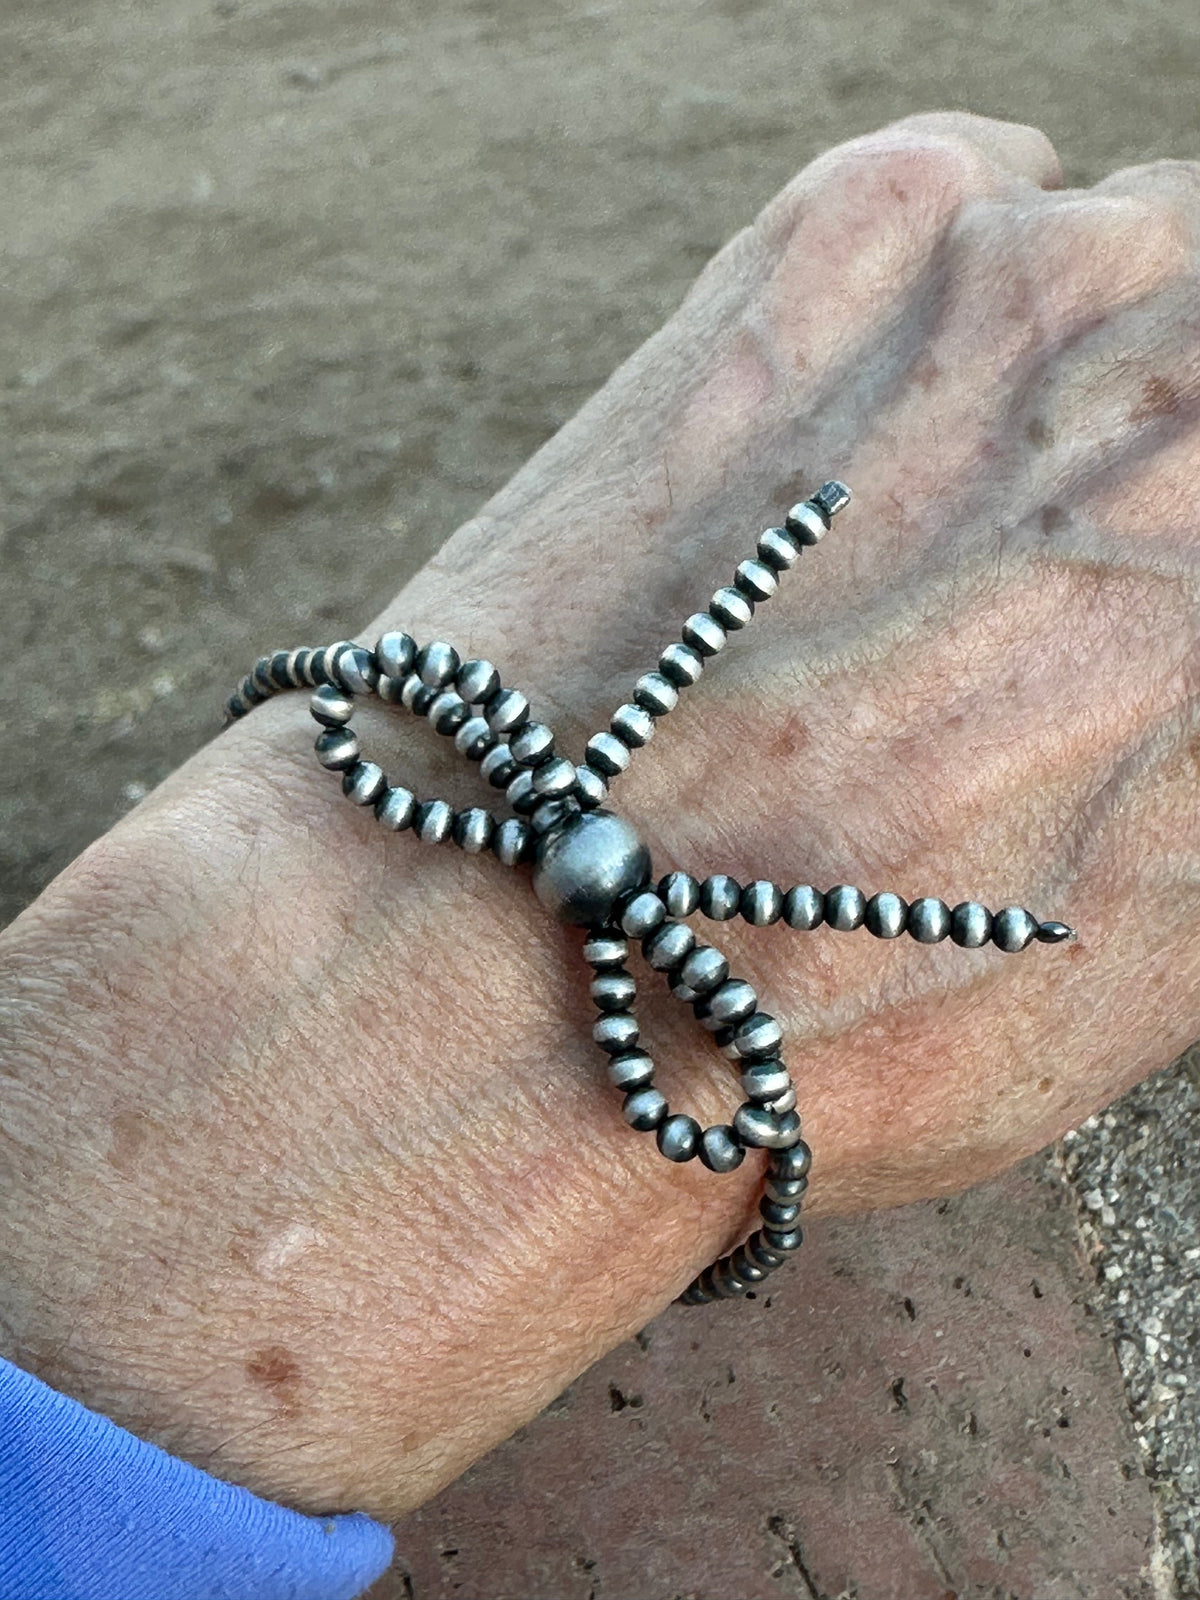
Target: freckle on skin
(1160, 398)
(1039, 433)
(276, 1368)
(129, 1132)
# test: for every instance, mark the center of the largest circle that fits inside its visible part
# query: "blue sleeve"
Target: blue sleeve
(89, 1512)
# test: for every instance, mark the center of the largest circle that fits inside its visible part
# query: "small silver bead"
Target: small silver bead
(331, 707)
(607, 754)
(678, 1137)
(447, 712)
(776, 1216)
(433, 821)
(745, 1268)
(756, 1125)
(831, 497)
(261, 677)
(520, 794)
(758, 1035)
(885, 915)
(704, 634)
(477, 681)
(550, 813)
(784, 1102)
(644, 1109)
(324, 662)
(656, 693)
(395, 808)
(704, 970)
(668, 946)
(395, 653)
(613, 991)
(792, 1163)
(731, 608)
(733, 1001)
(785, 1240)
(681, 664)
(436, 663)
(720, 897)
(605, 950)
(590, 788)
(633, 725)
(355, 669)
(511, 841)
(803, 906)
(616, 1032)
(532, 745)
(970, 924)
(554, 778)
(760, 1251)
(806, 524)
(727, 1283)
(720, 1148)
(761, 903)
(642, 914)
(929, 919)
(632, 1070)
(473, 739)
(680, 893)
(497, 765)
(1054, 932)
(755, 579)
(302, 667)
(473, 829)
(391, 690)
(250, 694)
(337, 748)
(363, 783)
(417, 695)
(766, 1080)
(784, 1191)
(1012, 929)
(778, 549)
(281, 670)
(845, 907)
(506, 711)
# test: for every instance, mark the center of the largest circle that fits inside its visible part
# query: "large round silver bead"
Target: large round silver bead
(582, 866)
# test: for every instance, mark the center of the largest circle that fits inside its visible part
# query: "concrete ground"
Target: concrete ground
(287, 289)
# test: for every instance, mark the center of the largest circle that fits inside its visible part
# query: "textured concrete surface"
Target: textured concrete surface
(285, 291)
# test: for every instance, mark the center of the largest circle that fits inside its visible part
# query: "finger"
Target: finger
(1012, 148)
(1172, 187)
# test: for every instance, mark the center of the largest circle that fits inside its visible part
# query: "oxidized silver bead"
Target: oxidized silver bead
(786, 1191)
(633, 725)
(391, 690)
(644, 1109)
(585, 865)
(678, 1137)
(417, 695)
(778, 549)
(1012, 929)
(761, 903)
(731, 608)
(355, 669)
(613, 991)
(745, 1268)
(506, 711)
(331, 707)
(656, 693)
(970, 924)
(473, 829)
(755, 1125)
(764, 1081)
(532, 745)
(704, 970)
(720, 897)
(363, 783)
(477, 681)
(549, 814)
(1054, 932)
(759, 1250)
(720, 1148)
(511, 840)
(803, 906)
(554, 778)
(497, 765)
(642, 914)
(395, 654)
(681, 665)
(786, 1240)
(886, 915)
(519, 793)
(606, 753)
(758, 1035)
(929, 919)
(680, 893)
(337, 748)
(447, 712)
(302, 666)
(631, 1070)
(704, 634)
(792, 1163)
(395, 808)
(783, 1102)
(605, 950)
(433, 821)
(845, 907)
(831, 497)
(755, 579)
(616, 1032)
(474, 738)
(436, 663)
(668, 946)
(590, 788)
(776, 1216)
(732, 1001)
(806, 524)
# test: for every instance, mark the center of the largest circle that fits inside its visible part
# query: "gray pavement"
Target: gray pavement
(287, 290)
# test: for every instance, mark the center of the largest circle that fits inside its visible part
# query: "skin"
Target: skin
(309, 1171)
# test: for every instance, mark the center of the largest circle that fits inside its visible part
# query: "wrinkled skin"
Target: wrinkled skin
(310, 1170)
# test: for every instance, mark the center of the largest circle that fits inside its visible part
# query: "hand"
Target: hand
(311, 1173)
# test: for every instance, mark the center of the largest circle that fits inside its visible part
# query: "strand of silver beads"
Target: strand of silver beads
(590, 868)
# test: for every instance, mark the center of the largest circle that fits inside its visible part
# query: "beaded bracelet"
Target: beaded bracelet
(590, 868)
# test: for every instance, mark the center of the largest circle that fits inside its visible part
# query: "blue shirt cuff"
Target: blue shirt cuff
(89, 1512)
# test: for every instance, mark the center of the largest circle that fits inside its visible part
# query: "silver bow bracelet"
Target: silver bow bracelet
(590, 868)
